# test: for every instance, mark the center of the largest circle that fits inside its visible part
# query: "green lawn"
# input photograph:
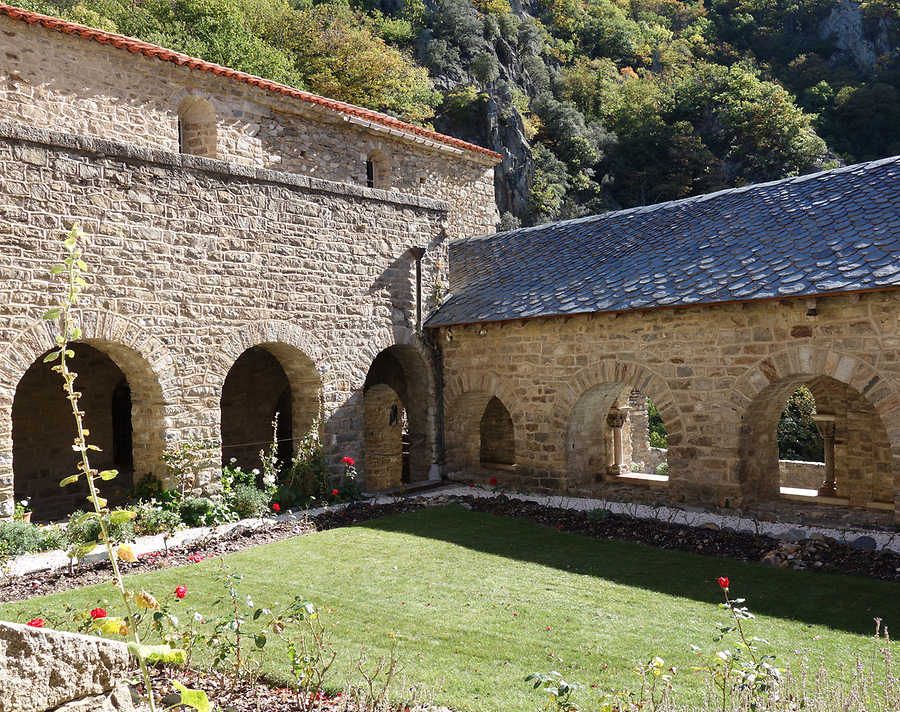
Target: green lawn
(478, 602)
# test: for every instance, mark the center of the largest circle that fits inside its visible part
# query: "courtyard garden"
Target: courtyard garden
(470, 604)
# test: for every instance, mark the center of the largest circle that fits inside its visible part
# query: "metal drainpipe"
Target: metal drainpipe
(419, 253)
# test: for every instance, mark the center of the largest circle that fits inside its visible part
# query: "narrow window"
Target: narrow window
(370, 174)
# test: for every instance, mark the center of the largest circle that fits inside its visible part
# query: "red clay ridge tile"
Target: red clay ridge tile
(166, 55)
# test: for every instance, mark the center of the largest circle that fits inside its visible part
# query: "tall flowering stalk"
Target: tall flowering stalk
(72, 270)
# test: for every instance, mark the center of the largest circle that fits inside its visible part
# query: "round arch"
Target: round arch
(266, 356)
(841, 383)
(581, 410)
(145, 362)
(398, 414)
(468, 398)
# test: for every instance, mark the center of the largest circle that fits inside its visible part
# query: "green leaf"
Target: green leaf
(51, 357)
(120, 516)
(98, 502)
(52, 313)
(82, 550)
(82, 265)
(192, 698)
(84, 517)
(108, 474)
(59, 269)
(260, 640)
(69, 480)
(75, 333)
(159, 654)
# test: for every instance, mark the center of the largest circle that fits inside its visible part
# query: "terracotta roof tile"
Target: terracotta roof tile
(166, 55)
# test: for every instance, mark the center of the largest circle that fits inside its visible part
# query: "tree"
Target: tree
(798, 437)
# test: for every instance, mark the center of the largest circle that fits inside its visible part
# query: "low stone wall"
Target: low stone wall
(804, 475)
(51, 670)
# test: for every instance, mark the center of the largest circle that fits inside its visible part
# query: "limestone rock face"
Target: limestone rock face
(845, 23)
(46, 669)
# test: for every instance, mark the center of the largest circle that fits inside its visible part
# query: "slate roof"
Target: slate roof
(825, 233)
(166, 55)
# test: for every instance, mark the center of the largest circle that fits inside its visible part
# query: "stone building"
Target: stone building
(250, 247)
(261, 250)
(716, 308)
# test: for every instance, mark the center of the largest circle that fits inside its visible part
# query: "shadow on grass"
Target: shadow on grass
(839, 602)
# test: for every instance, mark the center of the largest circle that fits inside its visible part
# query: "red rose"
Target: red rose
(723, 582)
(98, 613)
(493, 480)
(348, 461)
(276, 507)
(334, 493)
(36, 623)
(180, 591)
(471, 484)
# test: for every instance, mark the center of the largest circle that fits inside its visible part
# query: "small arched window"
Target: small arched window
(378, 170)
(196, 127)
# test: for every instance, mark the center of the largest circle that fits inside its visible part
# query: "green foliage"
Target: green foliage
(195, 510)
(657, 429)
(798, 436)
(247, 501)
(18, 537)
(485, 67)
(308, 478)
(85, 530)
(151, 517)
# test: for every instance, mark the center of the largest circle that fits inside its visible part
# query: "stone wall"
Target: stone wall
(718, 375)
(51, 670)
(801, 474)
(65, 82)
(193, 262)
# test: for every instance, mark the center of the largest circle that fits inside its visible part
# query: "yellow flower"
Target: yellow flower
(126, 553)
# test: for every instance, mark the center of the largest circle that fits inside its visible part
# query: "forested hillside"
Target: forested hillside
(597, 104)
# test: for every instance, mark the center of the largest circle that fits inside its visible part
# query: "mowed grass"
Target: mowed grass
(478, 602)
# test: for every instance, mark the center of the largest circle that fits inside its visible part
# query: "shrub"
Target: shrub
(153, 518)
(308, 477)
(18, 537)
(81, 531)
(247, 501)
(194, 510)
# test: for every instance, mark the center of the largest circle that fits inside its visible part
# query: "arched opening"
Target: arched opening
(197, 132)
(44, 429)
(498, 446)
(397, 415)
(609, 437)
(268, 384)
(856, 457)
(378, 170)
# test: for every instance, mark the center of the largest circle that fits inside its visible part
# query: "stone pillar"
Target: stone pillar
(825, 424)
(615, 419)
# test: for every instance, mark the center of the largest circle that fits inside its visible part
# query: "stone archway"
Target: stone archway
(268, 383)
(397, 415)
(121, 347)
(478, 406)
(594, 413)
(866, 425)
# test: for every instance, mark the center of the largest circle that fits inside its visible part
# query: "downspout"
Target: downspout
(419, 253)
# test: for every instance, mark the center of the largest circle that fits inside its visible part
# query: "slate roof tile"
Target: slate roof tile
(831, 232)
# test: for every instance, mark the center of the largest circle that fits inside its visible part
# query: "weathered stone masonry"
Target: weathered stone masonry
(719, 377)
(250, 248)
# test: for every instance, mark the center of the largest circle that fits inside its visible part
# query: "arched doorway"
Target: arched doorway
(44, 429)
(268, 384)
(397, 398)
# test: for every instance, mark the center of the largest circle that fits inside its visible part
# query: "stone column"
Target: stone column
(825, 424)
(615, 419)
